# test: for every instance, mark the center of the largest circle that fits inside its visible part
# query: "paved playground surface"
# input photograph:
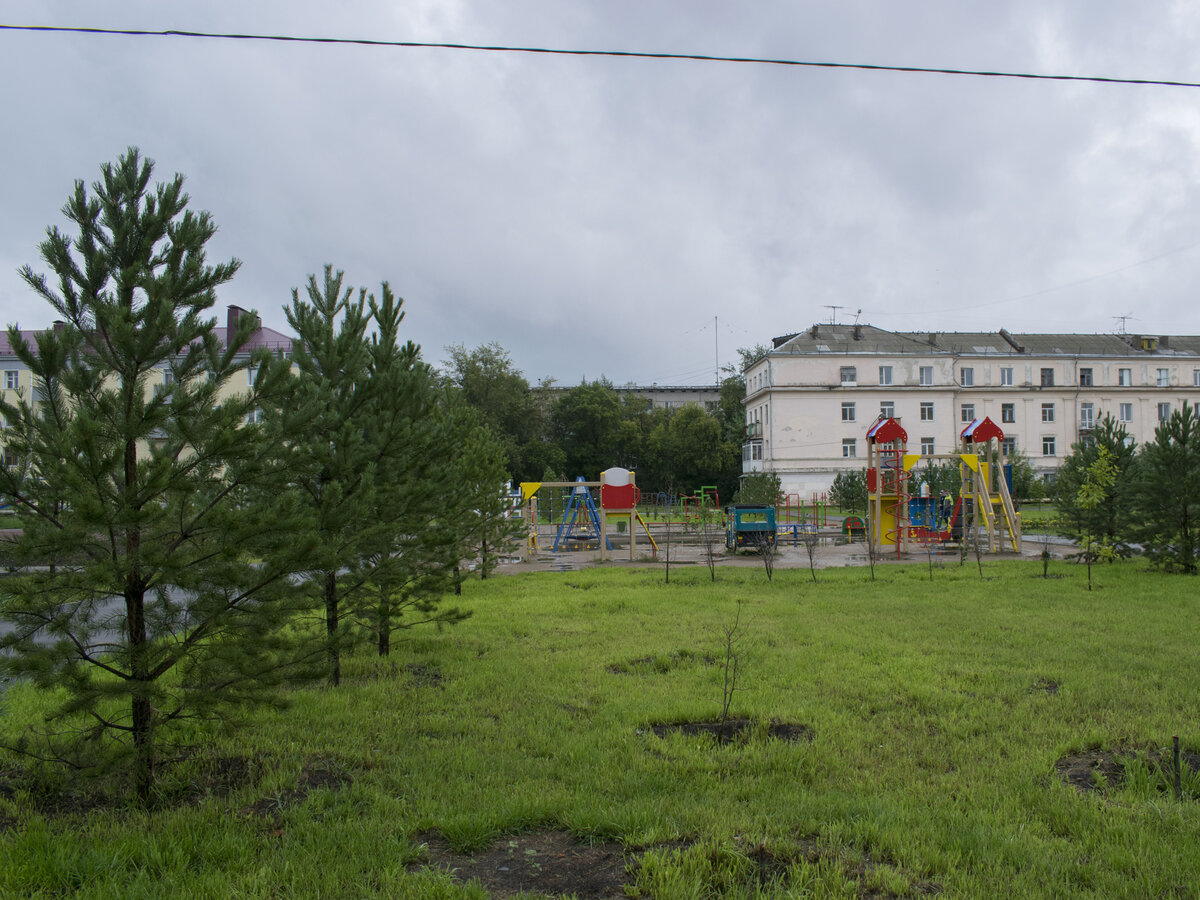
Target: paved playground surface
(831, 554)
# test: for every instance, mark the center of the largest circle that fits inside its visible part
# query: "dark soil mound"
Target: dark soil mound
(550, 862)
(734, 729)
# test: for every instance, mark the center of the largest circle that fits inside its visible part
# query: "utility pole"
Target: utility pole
(716, 353)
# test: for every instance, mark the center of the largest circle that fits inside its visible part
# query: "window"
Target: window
(1125, 377)
(926, 375)
(1008, 413)
(1125, 412)
(1087, 415)
(927, 446)
(168, 377)
(849, 448)
(8, 459)
(756, 451)
(1164, 378)
(849, 375)
(1085, 377)
(1195, 377)
(966, 377)
(1008, 446)
(1047, 378)
(887, 409)
(251, 374)
(847, 412)
(968, 412)
(1006, 379)
(1048, 445)
(1164, 411)
(10, 379)
(927, 412)
(254, 417)
(1047, 412)
(885, 375)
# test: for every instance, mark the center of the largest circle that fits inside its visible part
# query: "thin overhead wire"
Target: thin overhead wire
(620, 54)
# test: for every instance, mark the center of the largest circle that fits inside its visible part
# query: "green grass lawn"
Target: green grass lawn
(937, 710)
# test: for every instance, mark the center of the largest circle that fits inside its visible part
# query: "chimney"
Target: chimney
(857, 332)
(933, 339)
(59, 325)
(813, 331)
(1163, 341)
(235, 315)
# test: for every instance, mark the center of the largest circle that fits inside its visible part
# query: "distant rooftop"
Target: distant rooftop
(868, 339)
(260, 338)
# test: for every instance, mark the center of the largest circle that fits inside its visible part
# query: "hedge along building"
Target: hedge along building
(812, 397)
(17, 381)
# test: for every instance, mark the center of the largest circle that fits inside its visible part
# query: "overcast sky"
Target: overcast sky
(636, 218)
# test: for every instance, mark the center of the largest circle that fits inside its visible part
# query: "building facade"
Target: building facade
(16, 380)
(812, 397)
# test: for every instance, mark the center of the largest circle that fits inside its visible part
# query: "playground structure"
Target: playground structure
(792, 508)
(984, 504)
(580, 523)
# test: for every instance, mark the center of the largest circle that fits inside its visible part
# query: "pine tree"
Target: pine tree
(364, 439)
(1166, 489)
(136, 596)
(480, 507)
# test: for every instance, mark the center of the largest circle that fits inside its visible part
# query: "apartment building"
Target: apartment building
(16, 378)
(812, 397)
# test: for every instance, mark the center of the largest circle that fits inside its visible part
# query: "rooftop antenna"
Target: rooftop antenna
(1121, 320)
(856, 315)
(835, 308)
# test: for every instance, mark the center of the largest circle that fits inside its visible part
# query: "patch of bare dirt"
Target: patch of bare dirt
(549, 862)
(317, 774)
(1091, 770)
(423, 676)
(1044, 686)
(735, 729)
(772, 864)
(1100, 770)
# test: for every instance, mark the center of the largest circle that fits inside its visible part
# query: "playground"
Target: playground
(612, 517)
(568, 524)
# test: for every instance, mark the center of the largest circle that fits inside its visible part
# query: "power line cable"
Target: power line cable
(621, 54)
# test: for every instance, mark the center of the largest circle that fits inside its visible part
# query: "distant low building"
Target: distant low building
(667, 396)
(812, 397)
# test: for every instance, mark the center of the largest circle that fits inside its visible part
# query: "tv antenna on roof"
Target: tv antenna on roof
(835, 308)
(856, 315)
(1121, 320)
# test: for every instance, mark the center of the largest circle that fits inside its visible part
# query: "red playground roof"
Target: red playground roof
(981, 430)
(885, 431)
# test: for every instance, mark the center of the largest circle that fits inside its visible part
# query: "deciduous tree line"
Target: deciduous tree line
(553, 434)
(184, 543)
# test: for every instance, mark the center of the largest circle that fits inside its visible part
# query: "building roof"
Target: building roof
(869, 340)
(261, 338)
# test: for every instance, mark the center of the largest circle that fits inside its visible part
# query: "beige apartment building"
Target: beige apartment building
(812, 397)
(15, 376)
